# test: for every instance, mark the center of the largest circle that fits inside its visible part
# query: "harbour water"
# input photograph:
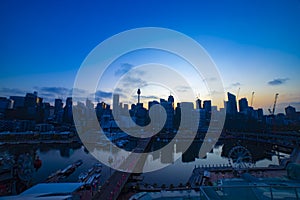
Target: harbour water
(59, 156)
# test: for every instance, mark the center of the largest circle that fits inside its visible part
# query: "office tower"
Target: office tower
(168, 106)
(207, 106)
(198, 104)
(171, 100)
(231, 105)
(68, 116)
(243, 106)
(18, 101)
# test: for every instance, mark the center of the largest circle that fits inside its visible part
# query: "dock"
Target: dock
(63, 173)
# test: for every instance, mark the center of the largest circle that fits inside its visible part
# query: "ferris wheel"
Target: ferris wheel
(240, 158)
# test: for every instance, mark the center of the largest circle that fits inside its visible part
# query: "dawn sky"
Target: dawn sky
(254, 44)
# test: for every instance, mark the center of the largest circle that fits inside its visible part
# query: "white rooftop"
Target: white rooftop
(47, 191)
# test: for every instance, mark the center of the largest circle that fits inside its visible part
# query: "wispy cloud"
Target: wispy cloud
(236, 84)
(12, 91)
(130, 81)
(150, 97)
(123, 69)
(278, 81)
(182, 88)
(56, 91)
(103, 95)
(233, 85)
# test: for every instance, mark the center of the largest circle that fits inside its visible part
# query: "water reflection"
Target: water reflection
(24, 165)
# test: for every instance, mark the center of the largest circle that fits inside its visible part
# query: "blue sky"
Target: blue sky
(255, 44)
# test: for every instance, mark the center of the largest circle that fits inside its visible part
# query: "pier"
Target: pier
(61, 174)
(115, 184)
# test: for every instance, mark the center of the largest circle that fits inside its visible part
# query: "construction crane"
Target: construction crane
(252, 96)
(274, 106)
(238, 94)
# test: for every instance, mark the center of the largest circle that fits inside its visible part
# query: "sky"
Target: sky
(254, 44)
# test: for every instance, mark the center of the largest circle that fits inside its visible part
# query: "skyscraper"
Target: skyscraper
(168, 106)
(58, 105)
(198, 104)
(243, 106)
(171, 100)
(207, 106)
(231, 105)
(116, 108)
(68, 116)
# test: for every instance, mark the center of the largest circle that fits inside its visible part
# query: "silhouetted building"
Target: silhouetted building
(231, 105)
(291, 113)
(177, 116)
(171, 100)
(116, 107)
(5, 104)
(187, 117)
(260, 113)
(18, 101)
(58, 110)
(168, 106)
(243, 106)
(68, 116)
(207, 106)
(198, 104)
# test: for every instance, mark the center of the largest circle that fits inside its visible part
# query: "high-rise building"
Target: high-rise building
(171, 100)
(260, 113)
(58, 106)
(18, 101)
(231, 105)
(198, 104)
(290, 112)
(116, 102)
(207, 106)
(156, 116)
(187, 117)
(58, 110)
(243, 106)
(68, 116)
(168, 106)
(5, 104)
(177, 116)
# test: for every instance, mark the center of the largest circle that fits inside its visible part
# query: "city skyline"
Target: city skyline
(255, 45)
(232, 104)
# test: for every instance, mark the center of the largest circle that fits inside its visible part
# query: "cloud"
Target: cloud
(12, 92)
(147, 97)
(236, 84)
(278, 81)
(233, 86)
(182, 88)
(102, 94)
(133, 82)
(123, 69)
(54, 90)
